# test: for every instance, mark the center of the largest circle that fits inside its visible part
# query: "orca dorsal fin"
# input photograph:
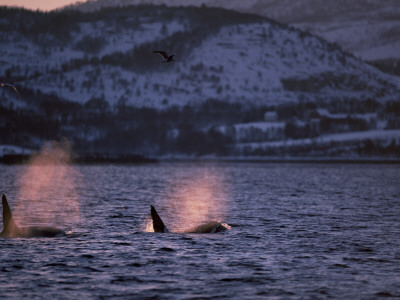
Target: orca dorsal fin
(158, 224)
(9, 225)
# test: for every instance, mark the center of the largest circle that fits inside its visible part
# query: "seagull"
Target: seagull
(2, 84)
(165, 56)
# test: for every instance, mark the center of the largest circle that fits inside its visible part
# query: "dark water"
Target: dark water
(298, 231)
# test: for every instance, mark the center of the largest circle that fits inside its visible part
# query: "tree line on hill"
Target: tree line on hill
(97, 126)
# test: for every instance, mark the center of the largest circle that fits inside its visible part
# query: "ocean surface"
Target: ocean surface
(296, 231)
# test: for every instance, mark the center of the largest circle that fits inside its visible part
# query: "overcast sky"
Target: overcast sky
(37, 4)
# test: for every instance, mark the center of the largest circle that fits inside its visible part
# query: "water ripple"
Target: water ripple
(297, 231)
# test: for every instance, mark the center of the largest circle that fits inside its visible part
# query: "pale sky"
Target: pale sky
(38, 4)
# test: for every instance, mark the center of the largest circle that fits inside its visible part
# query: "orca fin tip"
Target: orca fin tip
(4, 199)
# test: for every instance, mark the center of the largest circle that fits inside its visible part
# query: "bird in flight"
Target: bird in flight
(165, 56)
(3, 84)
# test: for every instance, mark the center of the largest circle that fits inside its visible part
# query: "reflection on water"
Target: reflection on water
(298, 231)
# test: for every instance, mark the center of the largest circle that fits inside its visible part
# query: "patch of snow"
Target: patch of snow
(11, 149)
(264, 126)
(337, 137)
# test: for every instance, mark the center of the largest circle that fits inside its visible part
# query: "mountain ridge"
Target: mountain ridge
(365, 28)
(243, 57)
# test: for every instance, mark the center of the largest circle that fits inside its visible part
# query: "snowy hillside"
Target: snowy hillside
(367, 28)
(93, 78)
(249, 60)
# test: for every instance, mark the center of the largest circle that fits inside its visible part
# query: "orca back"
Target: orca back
(10, 229)
(210, 227)
(41, 231)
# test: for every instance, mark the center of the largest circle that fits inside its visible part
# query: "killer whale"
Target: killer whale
(10, 228)
(209, 227)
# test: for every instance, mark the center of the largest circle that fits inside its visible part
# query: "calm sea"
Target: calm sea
(309, 231)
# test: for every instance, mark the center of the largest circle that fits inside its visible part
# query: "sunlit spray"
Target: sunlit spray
(47, 190)
(148, 225)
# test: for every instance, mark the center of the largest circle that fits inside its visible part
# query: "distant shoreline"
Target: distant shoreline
(16, 159)
(20, 159)
(305, 160)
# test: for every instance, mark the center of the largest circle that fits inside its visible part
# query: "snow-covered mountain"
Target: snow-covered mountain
(84, 69)
(248, 59)
(367, 28)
